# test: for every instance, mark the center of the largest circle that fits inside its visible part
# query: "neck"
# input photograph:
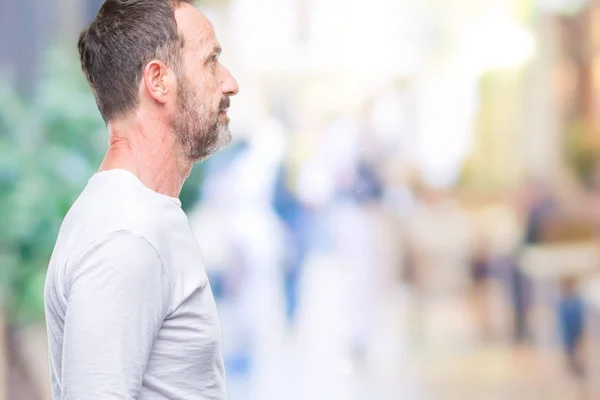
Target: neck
(149, 152)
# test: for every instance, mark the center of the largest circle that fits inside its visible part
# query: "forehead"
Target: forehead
(197, 31)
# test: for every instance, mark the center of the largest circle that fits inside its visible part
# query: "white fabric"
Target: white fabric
(130, 313)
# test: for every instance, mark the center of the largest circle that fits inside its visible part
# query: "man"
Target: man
(130, 313)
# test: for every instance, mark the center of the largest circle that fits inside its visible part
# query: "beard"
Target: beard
(199, 130)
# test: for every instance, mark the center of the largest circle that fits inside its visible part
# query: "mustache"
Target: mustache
(225, 102)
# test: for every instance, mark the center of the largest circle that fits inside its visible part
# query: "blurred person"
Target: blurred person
(129, 309)
(482, 258)
(480, 261)
(570, 319)
(539, 206)
(354, 219)
(497, 232)
(346, 230)
(297, 220)
(301, 189)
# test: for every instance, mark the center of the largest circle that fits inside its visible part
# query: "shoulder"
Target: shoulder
(118, 208)
(117, 249)
(120, 265)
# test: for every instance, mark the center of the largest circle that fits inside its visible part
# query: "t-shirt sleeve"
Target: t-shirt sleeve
(116, 303)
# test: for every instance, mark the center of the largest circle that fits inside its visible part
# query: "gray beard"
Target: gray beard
(198, 135)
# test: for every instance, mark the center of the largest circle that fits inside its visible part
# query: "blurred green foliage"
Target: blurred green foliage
(582, 146)
(50, 145)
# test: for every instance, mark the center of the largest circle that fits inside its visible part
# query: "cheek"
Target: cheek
(209, 89)
(207, 80)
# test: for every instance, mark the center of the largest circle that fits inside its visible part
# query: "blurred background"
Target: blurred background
(410, 208)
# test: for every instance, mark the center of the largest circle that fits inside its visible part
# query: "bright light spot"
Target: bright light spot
(346, 367)
(499, 43)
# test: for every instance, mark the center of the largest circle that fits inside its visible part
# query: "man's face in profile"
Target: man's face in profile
(200, 119)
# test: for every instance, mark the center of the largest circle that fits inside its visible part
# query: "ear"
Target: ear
(156, 81)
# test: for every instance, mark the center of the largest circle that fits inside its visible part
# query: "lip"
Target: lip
(224, 110)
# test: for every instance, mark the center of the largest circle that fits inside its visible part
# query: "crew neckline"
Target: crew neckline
(125, 172)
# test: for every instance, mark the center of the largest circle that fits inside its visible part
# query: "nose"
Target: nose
(229, 85)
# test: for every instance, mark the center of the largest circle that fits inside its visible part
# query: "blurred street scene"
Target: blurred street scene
(410, 208)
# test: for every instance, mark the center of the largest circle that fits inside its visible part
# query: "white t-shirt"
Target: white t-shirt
(129, 310)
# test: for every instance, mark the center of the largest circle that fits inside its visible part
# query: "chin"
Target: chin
(226, 137)
(222, 138)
